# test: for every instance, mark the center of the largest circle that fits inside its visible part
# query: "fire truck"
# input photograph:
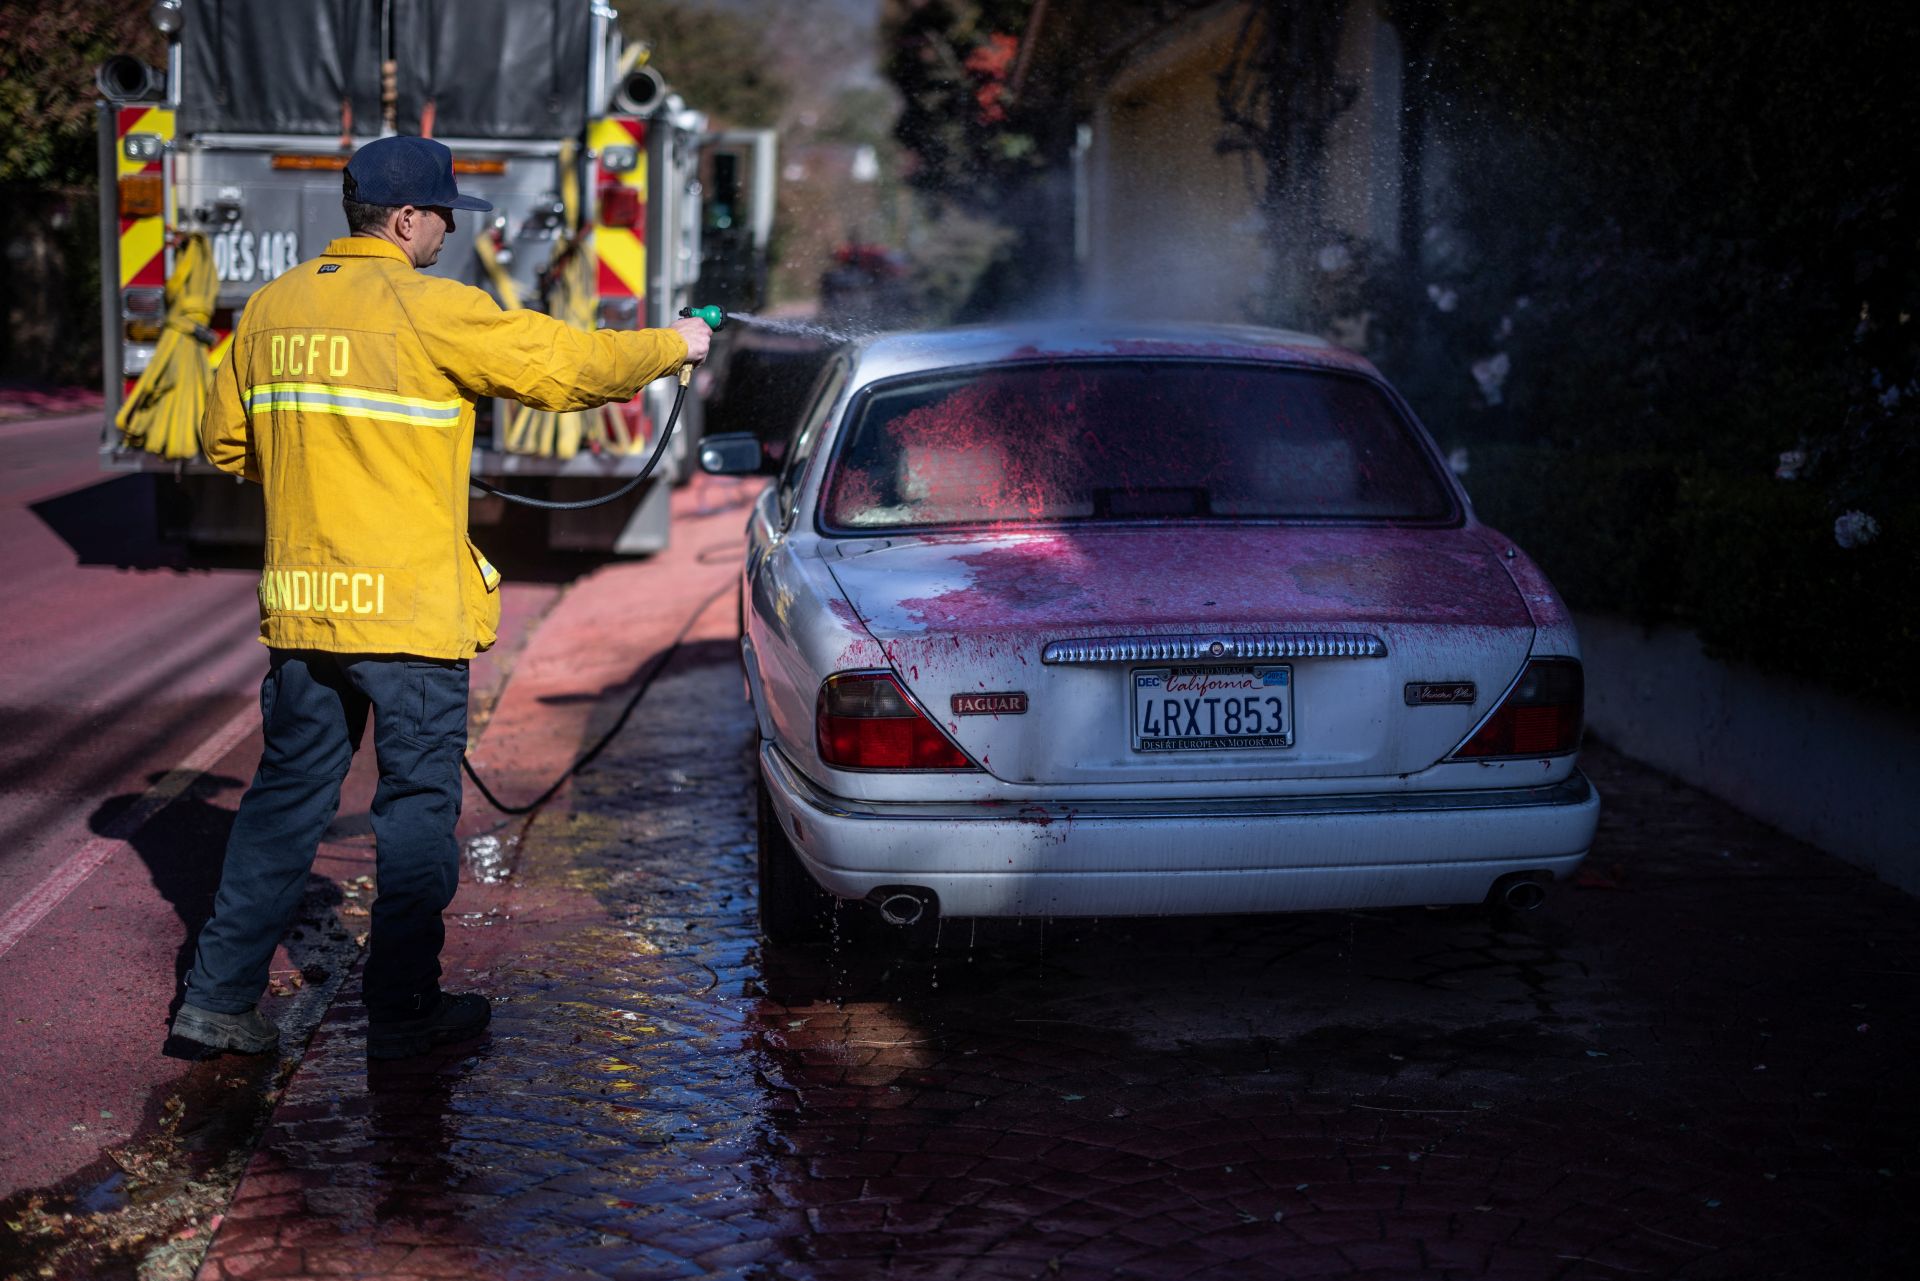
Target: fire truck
(612, 204)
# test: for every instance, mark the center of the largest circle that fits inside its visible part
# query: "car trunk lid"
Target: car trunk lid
(1389, 643)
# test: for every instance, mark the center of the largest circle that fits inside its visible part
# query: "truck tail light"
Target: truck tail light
(865, 721)
(1540, 716)
(144, 309)
(619, 206)
(140, 196)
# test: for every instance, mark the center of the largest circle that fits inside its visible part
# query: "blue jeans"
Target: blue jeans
(313, 712)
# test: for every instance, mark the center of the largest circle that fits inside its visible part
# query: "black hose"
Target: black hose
(550, 504)
(586, 758)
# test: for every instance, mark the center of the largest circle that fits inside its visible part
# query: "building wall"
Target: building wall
(1362, 173)
(1836, 773)
(1174, 227)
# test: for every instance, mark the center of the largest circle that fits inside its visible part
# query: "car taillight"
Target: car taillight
(864, 721)
(1540, 716)
(619, 206)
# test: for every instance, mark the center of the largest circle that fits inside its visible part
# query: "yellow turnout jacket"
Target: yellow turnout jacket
(349, 394)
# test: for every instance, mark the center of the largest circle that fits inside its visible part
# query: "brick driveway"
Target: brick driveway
(1701, 1063)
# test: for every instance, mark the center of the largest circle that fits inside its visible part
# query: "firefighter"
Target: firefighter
(349, 395)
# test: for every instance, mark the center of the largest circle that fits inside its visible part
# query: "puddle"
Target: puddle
(490, 859)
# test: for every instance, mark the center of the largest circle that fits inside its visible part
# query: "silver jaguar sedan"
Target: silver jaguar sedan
(1068, 620)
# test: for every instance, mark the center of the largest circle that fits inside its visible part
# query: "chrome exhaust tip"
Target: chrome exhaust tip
(1520, 891)
(904, 907)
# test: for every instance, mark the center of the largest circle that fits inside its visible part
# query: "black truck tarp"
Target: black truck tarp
(463, 68)
(493, 68)
(265, 66)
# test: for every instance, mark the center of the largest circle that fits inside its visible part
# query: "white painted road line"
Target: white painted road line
(69, 876)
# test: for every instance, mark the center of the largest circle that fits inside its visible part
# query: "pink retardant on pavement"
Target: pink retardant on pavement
(20, 402)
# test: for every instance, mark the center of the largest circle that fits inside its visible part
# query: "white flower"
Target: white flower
(1443, 298)
(1889, 398)
(1855, 529)
(1457, 461)
(1491, 375)
(1791, 461)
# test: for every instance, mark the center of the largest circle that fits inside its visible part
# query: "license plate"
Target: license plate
(1189, 709)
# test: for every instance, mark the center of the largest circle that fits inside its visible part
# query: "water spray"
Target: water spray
(717, 319)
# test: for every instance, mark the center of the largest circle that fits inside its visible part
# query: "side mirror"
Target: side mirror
(736, 453)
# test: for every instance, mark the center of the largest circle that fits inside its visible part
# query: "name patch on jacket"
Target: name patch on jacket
(366, 595)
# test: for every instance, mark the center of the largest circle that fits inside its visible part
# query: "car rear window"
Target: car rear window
(1130, 440)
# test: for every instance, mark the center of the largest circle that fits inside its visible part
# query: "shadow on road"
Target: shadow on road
(115, 522)
(184, 849)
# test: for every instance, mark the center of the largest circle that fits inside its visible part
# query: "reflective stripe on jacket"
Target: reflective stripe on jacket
(349, 394)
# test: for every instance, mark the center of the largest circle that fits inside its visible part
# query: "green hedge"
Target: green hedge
(1748, 561)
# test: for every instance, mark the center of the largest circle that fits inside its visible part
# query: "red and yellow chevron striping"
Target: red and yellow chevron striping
(621, 251)
(143, 241)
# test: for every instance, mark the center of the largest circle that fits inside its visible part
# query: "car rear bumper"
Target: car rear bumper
(1132, 858)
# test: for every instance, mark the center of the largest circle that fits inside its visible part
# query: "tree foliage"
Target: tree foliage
(991, 95)
(1690, 237)
(47, 59)
(717, 59)
(951, 61)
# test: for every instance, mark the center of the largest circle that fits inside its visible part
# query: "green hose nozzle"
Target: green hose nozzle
(714, 317)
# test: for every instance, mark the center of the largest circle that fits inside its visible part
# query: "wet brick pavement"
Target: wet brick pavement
(1698, 1063)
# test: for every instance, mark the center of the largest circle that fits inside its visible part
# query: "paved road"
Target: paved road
(129, 673)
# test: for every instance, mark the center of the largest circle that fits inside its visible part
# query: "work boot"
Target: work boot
(248, 1033)
(455, 1018)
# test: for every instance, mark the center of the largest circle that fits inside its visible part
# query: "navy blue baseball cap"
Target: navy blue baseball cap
(404, 170)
